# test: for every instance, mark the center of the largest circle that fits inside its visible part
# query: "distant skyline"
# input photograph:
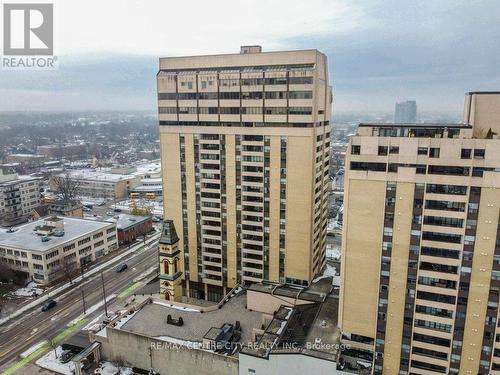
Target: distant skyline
(380, 52)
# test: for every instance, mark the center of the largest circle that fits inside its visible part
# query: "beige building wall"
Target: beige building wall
(438, 273)
(484, 251)
(361, 251)
(253, 129)
(399, 271)
(482, 111)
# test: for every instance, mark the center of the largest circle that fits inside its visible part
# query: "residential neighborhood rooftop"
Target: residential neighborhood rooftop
(25, 236)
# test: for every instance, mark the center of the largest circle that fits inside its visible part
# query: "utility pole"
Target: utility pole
(83, 299)
(104, 295)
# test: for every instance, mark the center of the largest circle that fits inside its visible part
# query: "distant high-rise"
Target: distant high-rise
(245, 142)
(406, 112)
(421, 245)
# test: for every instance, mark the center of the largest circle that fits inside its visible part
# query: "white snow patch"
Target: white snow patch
(282, 327)
(102, 333)
(50, 362)
(333, 251)
(124, 320)
(33, 349)
(176, 307)
(92, 324)
(29, 290)
(109, 368)
(330, 271)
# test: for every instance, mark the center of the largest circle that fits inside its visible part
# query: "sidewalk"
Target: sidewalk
(62, 288)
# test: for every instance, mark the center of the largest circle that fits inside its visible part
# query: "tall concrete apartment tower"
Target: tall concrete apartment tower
(405, 112)
(421, 250)
(245, 154)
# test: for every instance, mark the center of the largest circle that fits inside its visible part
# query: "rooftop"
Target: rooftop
(24, 237)
(416, 124)
(316, 292)
(151, 320)
(125, 221)
(310, 329)
(103, 175)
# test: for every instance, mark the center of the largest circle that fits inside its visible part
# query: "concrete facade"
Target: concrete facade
(19, 195)
(242, 136)
(421, 245)
(49, 248)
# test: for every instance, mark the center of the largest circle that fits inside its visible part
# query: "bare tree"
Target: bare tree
(66, 187)
(69, 268)
(6, 274)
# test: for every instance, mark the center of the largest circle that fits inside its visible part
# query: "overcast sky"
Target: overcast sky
(379, 52)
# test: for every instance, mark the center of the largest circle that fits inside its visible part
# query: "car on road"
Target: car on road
(109, 213)
(122, 267)
(117, 210)
(48, 305)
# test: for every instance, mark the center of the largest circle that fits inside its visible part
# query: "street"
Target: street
(35, 326)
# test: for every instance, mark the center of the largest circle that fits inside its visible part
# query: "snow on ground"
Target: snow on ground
(109, 368)
(330, 271)
(50, 362)
(29, 290)
(68, 285)
(176, 307)
(333, 251)
(124, 320)
(91, 310)
(33, 349)
(92, 324)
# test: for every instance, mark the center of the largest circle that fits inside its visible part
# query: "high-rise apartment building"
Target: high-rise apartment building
(405, 112)
(19, 195)
(245, 155)
(421, 250)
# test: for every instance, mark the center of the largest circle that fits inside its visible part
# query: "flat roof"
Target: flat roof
(126, 221)
(315, 292)
(310, 329)
(150, 320)
(484, 93)
(25, 238)
(99, 175)
(415, 124)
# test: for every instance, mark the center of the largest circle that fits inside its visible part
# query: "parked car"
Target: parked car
(48, 305)
(122, 267)
(117, 210)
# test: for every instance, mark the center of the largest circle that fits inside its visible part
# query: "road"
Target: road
(36, 326)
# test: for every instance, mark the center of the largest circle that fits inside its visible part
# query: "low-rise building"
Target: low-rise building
(19, 195)
(54, 247)
(130, 227)
(269, 328)
(101, 183)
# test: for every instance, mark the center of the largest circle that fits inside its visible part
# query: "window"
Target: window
(449, 170)
(382, 150)
(394, 150)
(466, 153)
(361, 166)
(355, 149)
(422, 151)
(434, 152)
(479, 153)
